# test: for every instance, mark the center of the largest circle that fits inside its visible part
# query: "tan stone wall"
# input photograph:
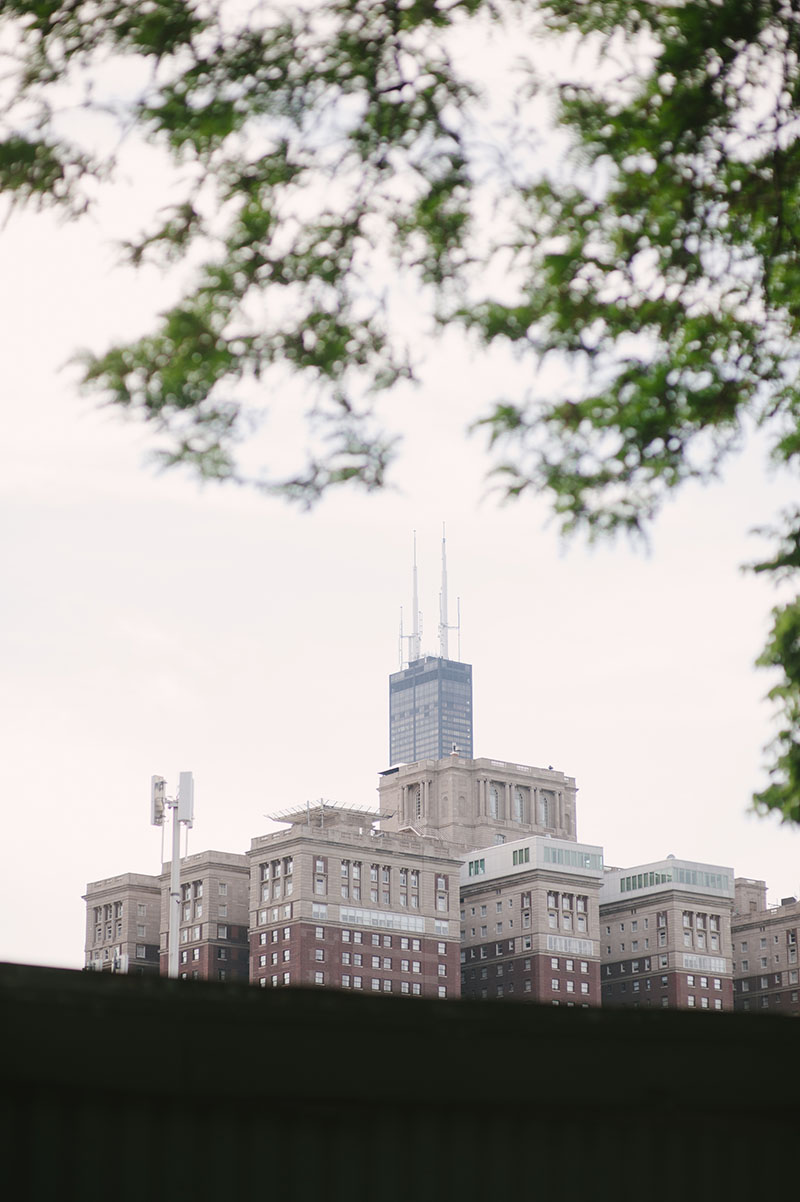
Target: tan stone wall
(111, 944)
(469, 803)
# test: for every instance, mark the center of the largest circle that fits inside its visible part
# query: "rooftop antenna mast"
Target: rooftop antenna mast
(443, 607)
(415, 638)
(182, 808)
(415, 644)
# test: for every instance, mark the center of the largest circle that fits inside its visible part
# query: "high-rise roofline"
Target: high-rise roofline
(430, 696)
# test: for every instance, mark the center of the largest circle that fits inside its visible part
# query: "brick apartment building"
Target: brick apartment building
(530, 922)
(336, 902)
(765, 951)
(213, 932)
(665, 935)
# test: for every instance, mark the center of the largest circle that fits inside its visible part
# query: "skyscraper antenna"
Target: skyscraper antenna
(443, 627)
(401, 637)
(414, 651)
(458, 627)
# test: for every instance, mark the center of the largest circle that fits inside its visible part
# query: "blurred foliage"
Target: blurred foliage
(329, 146)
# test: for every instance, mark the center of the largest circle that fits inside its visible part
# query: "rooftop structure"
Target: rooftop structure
(477, 803)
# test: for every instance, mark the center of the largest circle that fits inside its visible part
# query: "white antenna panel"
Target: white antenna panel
(157, 800)
(186, 798)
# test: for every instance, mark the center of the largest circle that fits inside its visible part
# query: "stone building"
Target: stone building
(665, 935)
(530, 922)
(765, 951)
(336, 902)
(477, 803)
(122, 923)
(214, 917)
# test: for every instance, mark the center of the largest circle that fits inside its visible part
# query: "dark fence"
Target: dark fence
(117, 1088)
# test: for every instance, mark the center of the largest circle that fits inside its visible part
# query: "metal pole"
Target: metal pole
(174, 893)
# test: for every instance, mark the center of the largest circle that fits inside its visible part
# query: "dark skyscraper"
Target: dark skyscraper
(430, 710)
(430, 698)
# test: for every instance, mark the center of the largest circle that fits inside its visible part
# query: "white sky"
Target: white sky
(148, 626)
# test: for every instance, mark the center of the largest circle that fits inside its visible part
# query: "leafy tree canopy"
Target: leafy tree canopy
(327, 147)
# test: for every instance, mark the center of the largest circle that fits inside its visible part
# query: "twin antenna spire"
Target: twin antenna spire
(415, 638)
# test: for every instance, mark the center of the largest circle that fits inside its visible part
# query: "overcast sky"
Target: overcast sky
(151, 626)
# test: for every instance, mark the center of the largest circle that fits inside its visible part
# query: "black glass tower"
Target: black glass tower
(430, 710)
